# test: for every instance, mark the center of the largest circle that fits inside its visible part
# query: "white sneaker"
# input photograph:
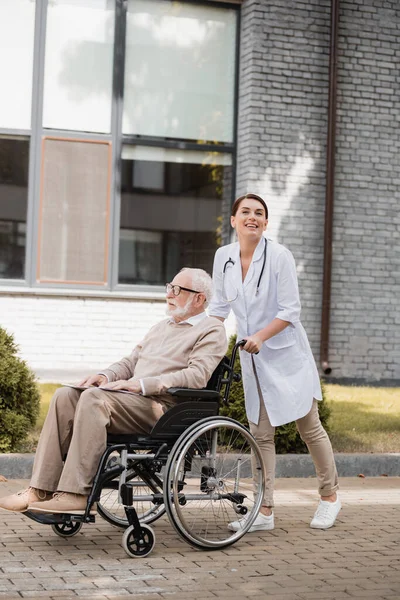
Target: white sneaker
(326, 513)
(262, 523)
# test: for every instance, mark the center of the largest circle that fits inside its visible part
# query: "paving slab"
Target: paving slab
(358, 558)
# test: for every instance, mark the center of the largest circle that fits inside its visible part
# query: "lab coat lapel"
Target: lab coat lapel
(256, 265)
(237, 271)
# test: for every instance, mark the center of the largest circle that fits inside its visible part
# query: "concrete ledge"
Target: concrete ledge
(348, 465)
(16, 466)
(19, 466)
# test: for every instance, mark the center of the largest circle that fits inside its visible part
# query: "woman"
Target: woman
(257, 279)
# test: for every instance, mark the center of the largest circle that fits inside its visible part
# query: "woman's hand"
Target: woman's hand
(130, 385)
(253, 344)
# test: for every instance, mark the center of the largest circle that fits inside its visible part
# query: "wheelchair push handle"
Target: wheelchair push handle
(236, 347)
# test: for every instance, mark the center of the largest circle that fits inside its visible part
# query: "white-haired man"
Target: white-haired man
(181, 351)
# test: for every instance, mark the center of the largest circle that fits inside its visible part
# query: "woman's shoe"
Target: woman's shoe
(262, 523)
(326, 513)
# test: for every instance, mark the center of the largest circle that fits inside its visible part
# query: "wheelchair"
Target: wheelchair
(195, 466)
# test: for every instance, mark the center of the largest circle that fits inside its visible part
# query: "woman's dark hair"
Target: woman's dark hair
(250, 197)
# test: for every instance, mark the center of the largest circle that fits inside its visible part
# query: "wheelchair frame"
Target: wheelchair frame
(188, 436)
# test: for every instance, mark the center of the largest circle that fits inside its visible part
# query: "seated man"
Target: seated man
(182, 351)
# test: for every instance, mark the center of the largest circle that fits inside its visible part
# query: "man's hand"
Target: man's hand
(130, 385)
(253, 344)
(93, 380)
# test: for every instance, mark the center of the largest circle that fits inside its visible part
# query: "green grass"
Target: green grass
(46, 393)
(363, 419)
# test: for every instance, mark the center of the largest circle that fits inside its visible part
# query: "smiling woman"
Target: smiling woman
(280, 378)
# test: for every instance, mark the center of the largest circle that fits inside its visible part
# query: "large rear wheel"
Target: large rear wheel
(214, 462)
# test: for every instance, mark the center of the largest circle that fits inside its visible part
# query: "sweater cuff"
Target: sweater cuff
(104, 375)
(109, 374)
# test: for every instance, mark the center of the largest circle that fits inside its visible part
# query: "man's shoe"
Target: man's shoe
(326, 513)
(262, 523)
(63, 503)
(20, 501)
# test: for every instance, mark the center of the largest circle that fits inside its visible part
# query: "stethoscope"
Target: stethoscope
(232, 262)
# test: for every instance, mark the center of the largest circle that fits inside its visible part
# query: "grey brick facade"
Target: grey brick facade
(282, 128)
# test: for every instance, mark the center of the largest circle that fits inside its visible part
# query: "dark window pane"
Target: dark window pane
(170, 217)
(14, 163)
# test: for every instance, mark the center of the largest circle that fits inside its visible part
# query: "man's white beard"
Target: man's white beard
(179, 311)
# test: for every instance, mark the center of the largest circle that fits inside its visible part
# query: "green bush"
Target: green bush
(287, 438)
(19, 396)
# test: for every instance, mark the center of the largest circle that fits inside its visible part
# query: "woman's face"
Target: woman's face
(249, 221)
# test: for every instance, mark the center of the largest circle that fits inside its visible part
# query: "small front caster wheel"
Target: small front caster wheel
(241, 510)
(138, 542)
(67, 529)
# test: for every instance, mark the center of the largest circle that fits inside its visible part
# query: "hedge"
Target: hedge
(19, 396)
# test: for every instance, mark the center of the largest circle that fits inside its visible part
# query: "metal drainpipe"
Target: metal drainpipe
(329, 194)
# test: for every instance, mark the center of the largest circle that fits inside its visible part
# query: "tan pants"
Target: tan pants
(318, 444)
(76, 425)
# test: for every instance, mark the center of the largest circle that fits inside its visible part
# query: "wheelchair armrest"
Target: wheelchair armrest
(192, 393)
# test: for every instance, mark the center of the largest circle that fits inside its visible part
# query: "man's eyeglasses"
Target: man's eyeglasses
(176, 289)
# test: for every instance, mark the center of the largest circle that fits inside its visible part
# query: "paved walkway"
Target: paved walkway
(358, 558)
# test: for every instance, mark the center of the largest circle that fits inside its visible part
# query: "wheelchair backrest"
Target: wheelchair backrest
(179, 417)
(182, 415)
(216, 380)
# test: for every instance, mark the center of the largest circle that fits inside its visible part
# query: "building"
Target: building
(127, 128)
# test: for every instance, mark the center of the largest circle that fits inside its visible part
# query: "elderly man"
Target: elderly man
(181, 351)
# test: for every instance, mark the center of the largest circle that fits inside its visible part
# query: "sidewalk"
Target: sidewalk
(358, 558)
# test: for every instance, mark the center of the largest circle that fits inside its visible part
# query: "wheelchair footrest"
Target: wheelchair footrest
(57, 518)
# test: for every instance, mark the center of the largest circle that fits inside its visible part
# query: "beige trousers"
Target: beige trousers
(318, 444)
(76, 427)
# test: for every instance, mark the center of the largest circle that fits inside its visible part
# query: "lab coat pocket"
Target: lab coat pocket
(284, 339)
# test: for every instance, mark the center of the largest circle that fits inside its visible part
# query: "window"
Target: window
(74, 211)
(171, 206)
(78, 65)
(17, 20)
(179, 70)
(179, 85)
(14, 160)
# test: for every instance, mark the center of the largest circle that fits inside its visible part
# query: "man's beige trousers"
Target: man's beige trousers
(318, 444)
(76, 428)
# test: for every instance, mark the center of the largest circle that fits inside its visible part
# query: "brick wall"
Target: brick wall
(59, 336)
(281, 155)
(63, 338)
(366, 267)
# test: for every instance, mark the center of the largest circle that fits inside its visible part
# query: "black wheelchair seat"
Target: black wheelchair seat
(172, 423)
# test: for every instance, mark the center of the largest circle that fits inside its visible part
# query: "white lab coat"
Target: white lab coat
(285, 366)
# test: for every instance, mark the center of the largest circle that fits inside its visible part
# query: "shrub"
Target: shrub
(19, 396)
(287, 438)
